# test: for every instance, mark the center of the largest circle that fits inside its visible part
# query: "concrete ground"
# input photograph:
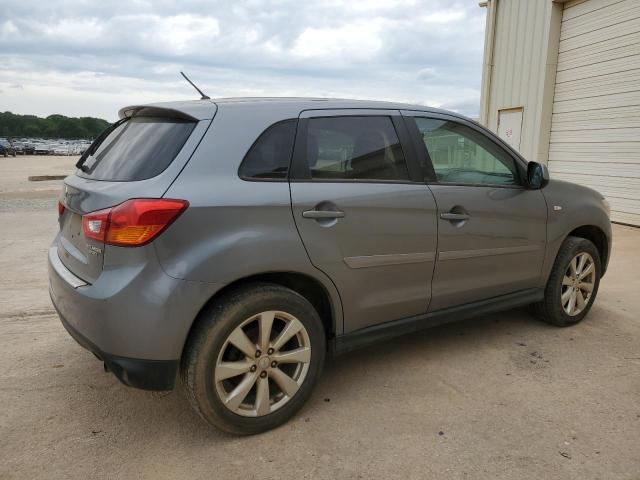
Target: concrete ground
(501, 396)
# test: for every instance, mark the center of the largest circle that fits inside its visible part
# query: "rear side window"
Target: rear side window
(137, 149)
(269, 156)
(354, 148)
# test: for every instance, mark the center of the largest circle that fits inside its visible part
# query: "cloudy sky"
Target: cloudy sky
(90, 57)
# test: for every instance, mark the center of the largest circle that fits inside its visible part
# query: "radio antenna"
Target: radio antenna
(203, 96)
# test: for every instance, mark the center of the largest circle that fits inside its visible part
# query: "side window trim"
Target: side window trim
(299, 172)
(430, 176)
(408, 148)
(428, 173)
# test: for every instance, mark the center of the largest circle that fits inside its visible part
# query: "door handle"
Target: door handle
(454, 217)
(323, 214)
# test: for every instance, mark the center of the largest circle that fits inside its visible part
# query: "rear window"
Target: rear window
(137, 149)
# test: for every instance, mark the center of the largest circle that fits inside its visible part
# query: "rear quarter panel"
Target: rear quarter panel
(234, 228)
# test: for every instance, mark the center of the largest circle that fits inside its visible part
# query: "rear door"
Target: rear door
(491, 229)
(365, 217)
(137, 159)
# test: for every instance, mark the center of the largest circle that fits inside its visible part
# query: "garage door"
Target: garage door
(595, 128)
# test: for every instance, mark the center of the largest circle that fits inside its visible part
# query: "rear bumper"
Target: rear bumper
(134, 372)
(134, 317)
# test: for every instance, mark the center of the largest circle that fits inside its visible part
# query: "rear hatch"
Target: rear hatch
(138, 157)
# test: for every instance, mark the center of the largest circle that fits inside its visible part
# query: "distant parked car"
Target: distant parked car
(236, 242)
(29, 149)
(18, 147)
(6, 148)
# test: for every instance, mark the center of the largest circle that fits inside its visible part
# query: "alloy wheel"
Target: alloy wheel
(578, 283)
(262, 363)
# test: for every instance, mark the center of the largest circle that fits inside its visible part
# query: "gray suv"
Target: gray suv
(236, 242)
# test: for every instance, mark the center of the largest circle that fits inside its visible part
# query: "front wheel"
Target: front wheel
(572, 285)
(253, 358)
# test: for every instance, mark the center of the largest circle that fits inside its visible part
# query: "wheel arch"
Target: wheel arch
(596, 236)
(307, 286)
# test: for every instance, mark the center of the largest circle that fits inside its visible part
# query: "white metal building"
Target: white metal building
(561, 83)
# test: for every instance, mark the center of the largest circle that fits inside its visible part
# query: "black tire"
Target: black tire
(208, 337)
(550, 309)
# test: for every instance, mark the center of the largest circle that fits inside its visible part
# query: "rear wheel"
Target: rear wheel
(253, 358)
(573, 283)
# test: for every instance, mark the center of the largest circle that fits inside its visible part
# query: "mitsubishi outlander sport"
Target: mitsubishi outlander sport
(233, 243)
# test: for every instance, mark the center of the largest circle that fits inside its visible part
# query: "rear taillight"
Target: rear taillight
(94, 224)
(133, 223)
(60, 208)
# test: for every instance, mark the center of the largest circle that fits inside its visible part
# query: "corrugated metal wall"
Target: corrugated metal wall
(595, 129)
(524, 52)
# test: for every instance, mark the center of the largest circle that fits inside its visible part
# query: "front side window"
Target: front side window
(269, 156)
(354, 148)
(460, 154)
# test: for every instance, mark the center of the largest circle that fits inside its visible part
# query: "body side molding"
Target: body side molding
(393, 259)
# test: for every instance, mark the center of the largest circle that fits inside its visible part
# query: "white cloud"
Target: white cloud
(426, 73)
(8, 28)
(73, 30)
(180, 33)
(91, 58)
(446, 16)
(356, 41)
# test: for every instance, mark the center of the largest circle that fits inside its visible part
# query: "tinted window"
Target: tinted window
(137, 149)
(354, 148)
(270, 155)
(460, 154)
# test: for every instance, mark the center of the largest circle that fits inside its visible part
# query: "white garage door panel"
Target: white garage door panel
(624, 217)
(618, 188)
(602, 68)
(608, 169)
(603, 15)
(594, 38)
(595, 125)
(604, 135)
(619, 152)
(629, 111)
(603, 85)
(580, 7)
(596, 103)
(615, 48)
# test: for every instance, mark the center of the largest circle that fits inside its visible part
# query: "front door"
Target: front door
(491, 229)
(365, 217)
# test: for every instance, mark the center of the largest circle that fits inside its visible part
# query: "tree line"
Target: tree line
(54, 126)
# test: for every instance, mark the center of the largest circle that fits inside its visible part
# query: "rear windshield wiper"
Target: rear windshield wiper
(96, 143)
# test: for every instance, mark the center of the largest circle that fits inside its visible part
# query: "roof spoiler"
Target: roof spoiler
(153, 111)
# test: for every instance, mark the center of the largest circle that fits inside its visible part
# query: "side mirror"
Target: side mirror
(537, 175)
